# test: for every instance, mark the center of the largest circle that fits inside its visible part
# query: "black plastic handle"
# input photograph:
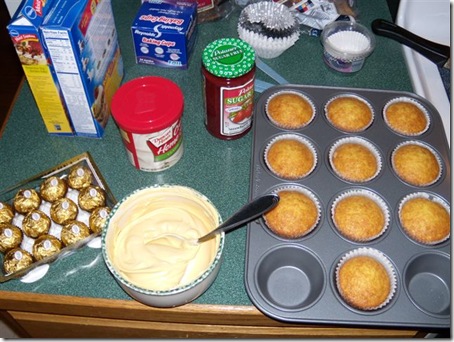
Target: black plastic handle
(245, 214)
(437, 53)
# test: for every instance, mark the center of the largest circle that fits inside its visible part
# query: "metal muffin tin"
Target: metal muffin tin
(293, 280)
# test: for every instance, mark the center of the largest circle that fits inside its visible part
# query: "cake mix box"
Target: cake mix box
(164, 33)
(81, 40)
(23, 29)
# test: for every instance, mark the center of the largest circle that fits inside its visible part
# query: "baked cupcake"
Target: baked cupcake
(349, 113)
(365, 279)
(355, 159)
(425, 218)
(290, 110)
(290, 156)
(360, 215)
(406, 116)
(296, 214)
(416, 163)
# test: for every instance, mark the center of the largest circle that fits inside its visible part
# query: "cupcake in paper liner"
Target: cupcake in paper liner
(416, 163)
(425, 218)
(269, 27)
(355, 159)
(297, 213)
(290, 156)
(360, 215)
(366, 279)
(406, 116)
(349, 113)
(290, 109)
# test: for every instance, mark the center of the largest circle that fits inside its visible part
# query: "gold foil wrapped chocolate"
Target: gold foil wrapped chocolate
(26, 200)
(79, 177)
(36, 223)
(10, 237)
(16, 259)
(98, 218)
(74, 231)
(63, 210)
(91, 197)
(6, 213)
(53, 188)
(46, 245)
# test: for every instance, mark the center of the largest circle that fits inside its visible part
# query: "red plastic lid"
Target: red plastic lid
(147, 104)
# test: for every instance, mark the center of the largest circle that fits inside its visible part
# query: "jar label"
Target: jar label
(236, 108)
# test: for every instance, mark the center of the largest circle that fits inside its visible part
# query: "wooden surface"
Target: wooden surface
(52, 316)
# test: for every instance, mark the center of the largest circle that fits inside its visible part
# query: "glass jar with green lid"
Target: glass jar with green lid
(228, 73)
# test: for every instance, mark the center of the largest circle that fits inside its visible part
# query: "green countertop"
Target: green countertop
(219, 169)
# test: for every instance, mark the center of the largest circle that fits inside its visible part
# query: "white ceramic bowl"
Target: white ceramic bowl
(166, 198)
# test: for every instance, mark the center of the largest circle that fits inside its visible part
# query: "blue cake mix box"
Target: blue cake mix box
(164, 33)
(81, 40)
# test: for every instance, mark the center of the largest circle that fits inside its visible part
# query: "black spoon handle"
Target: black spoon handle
(248, 212)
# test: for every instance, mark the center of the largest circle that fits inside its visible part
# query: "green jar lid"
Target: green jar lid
(228, 57)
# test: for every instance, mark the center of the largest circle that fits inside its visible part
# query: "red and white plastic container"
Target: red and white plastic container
(148, 112)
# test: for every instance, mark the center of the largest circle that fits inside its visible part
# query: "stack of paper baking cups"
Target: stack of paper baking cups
(269, 27)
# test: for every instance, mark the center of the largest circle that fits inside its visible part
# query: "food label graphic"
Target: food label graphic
(237, 106)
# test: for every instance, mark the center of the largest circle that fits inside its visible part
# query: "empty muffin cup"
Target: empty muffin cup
(429, 271)
(303, 273)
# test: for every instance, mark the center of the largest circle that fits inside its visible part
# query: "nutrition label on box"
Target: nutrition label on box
(65, 64)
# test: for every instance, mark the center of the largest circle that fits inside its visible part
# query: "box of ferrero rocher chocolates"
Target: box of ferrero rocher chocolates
(58, 210)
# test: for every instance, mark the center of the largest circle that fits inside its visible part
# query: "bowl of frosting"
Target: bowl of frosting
(139, 248)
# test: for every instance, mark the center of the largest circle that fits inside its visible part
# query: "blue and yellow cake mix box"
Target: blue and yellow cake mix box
(81, 40)
(23, 29)
(164, 32)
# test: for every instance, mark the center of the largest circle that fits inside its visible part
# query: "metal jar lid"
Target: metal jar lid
(228, 57)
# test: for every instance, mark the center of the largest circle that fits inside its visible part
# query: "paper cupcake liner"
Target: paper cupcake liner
(267, 47)
(374, 197)
(341, 43)
(419, 143)
(304, 97)
(271, 16)
(269, 27)
(412, 101)
(351, 96)
(363, 142)
(430, 197)
(380, 257)
(305, 191)
(296, 137)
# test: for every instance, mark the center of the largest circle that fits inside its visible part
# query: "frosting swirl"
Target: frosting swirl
(146, 237)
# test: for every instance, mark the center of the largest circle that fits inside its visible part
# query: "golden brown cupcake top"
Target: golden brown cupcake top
(406, 118)
(416, 164)
(425, 220)
(363, 282)
(349, 114)
(290, 158)
(358, 217)
(354, 162)
(295, 215)
(289, 110)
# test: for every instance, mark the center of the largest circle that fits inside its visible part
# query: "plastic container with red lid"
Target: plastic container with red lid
(148, 112)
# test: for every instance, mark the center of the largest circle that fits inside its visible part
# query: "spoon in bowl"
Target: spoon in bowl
(245, 214)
